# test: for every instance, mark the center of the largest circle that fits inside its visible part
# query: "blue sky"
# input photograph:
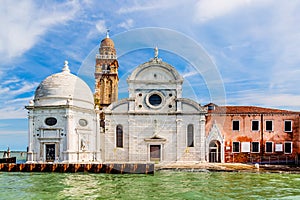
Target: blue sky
(255, 45)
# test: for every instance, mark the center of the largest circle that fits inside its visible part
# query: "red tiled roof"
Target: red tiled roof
(248, 110)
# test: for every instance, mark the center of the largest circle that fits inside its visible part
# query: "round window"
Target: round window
(155, 100)
(83, 122)
(50, 121)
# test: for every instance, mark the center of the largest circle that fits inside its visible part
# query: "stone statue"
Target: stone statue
(8, 152)
(83, 144)
(156, 59)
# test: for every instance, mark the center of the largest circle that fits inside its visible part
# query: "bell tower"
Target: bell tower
(106, 74)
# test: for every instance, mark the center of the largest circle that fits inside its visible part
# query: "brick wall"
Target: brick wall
(245, 135)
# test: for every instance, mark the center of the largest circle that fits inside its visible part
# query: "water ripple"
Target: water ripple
(163, 185)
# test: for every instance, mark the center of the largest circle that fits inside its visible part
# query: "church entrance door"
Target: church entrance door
(214, 151)
(50, 152)
(155, 152)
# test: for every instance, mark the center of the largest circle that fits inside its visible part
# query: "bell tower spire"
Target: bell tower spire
(106, 74)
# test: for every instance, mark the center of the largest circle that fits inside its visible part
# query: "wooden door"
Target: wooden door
(155, 152)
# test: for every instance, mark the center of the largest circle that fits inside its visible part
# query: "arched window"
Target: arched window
(119, 136)
(190, 135)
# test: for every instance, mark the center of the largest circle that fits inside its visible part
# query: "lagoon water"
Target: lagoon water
(162, 185)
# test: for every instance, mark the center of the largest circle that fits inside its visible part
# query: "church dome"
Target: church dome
(64, 88)
(107, 42)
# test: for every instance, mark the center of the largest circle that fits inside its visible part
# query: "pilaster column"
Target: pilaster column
(178, 138)
(30, 136)
(202, 138)
(98, 136)
(132, 139)
(68, 133)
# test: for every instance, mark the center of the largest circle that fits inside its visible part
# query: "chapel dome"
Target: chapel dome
(64, 88)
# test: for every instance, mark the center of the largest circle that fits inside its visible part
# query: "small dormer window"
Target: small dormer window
(211, 107)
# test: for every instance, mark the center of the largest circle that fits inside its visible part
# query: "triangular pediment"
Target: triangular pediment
(155, 138)
(215, 134)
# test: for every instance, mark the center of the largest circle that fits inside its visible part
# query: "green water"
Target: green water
(163, 185)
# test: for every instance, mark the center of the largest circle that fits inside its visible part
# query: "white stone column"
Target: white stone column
(222, 150)
(178, 138)
(202, 137)
(30, 136)
(98, 147)
(179, 90)
(68, 136)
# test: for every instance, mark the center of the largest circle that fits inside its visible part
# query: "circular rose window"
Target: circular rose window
(50, 121)
(83, 122)
(155, 100)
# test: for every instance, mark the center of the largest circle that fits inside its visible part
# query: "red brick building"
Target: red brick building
(252, 134)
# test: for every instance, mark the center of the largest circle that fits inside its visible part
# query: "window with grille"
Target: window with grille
(288, 126)
(269, 147)
(235, 125)
(255, 147)
(255, 125)
(269, 125)
(236, 147)
(288, 147)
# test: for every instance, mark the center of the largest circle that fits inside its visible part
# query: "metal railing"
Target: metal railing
(265, 159)
(98, 56)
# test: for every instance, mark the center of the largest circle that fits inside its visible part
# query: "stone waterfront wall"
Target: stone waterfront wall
(110, 168)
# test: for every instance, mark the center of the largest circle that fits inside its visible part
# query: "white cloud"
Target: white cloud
(23, 23)
(100, 26)
(23, 101)
(126, 24)
(137, 8)
(27, 87)
(14, 87)
(210, 9)
(15, 94)
(13, 112)
(190, 73)
(4, 90)
(13, 80)
(152, 6)
(284, 35)
(265, 98)
(10, 132)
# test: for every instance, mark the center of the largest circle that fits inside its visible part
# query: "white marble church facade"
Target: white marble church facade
(155, 123)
